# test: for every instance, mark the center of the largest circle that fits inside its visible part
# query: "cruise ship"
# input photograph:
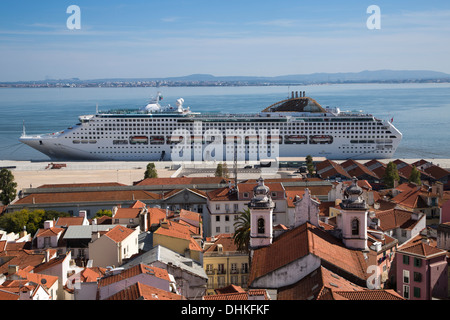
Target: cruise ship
(294, 127)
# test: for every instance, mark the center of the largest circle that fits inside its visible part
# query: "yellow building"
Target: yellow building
(224, 265)
(179, 238)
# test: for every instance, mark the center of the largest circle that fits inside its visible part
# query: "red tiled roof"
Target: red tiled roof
(368, 295)
(314, 285)
(6, 295)
(238, 295)
(70, 197)
(119, 233)
(139, 291)
(134, 271)
(421, 249)
(304, 240)
(50, 232)
(127, 213)
(181, 181)
(83, 185)
(226, 241)
(69, 221)
(437, 172)
(395, 218)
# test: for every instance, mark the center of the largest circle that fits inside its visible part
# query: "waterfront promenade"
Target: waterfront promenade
(34, 174)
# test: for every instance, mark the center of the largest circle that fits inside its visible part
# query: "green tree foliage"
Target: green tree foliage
(7, 187)
(310, 165)
(241, 235)
(150, 172)
(391, 175)
(103, 212)
(414, 176)
(221, 170)
(32, 220)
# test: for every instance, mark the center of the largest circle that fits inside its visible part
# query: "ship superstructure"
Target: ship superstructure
(294, 127)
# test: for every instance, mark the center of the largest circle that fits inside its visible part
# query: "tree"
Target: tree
(31, 220)
(221, 170)
(151, 171)
(391, 175)
(103, 212)
(7, 187)
(414, 176)
(241, 234)
(310, 165)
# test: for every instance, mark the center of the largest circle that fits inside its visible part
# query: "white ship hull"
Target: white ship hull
(154, 136)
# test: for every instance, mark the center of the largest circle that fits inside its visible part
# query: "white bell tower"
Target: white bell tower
(261, 210)
(352, 219)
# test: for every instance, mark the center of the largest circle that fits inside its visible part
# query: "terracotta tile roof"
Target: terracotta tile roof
(69, 221)
(230, 289)
(411, 197)
(119, 233)
(328, 168)
(156, 215)
(134, 271)
(395, 218)
(139, 291)
(127, 213)
(174, 229)
(138, 204)
(437, 172)
(83, 185)
(367, 295)
(38, 278)
(181, 181)
(94, 196)
(6, 295)
(226, 241)
(304, 240)
(239, 295)
(314, 286)
(222, 194)
(421, 249)
(92, 274)
(50, 232)
(358, 170)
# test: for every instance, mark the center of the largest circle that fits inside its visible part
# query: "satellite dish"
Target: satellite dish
(43, 281)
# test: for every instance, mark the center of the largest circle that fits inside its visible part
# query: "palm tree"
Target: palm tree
(242, 231)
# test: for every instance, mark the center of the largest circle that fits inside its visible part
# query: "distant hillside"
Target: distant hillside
(366, 76)
(363, 76)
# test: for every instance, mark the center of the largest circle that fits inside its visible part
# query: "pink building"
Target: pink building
(445, 211)
(421, 271)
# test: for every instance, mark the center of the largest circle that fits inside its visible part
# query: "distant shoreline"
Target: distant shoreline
(156, 84)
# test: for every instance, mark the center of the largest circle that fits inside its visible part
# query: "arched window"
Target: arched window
(355, 227)
(261, 228)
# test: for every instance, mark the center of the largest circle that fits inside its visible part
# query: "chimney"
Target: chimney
(296, 94)
(12, 269)
(82, 214)
(292, 94)
(48, 224)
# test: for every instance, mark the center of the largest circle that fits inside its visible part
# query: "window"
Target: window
(234, 268)
(405, 259)
(417, 277)
(406, 292)
(217, 207)
(405, 276)
(417, 262)
(261, 228)
(416, 292)
(217, 218)
(355, 227)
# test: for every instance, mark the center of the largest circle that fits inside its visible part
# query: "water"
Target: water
(420, 111)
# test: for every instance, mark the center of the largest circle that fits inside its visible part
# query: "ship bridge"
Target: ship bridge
(297, 103)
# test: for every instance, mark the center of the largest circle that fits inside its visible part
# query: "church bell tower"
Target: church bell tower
(261, 210)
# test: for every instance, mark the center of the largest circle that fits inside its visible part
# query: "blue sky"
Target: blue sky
(149, 38)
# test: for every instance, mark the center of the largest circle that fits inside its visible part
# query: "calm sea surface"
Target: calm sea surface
(420, 111)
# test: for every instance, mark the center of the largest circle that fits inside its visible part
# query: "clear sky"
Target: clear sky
(150, 38)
